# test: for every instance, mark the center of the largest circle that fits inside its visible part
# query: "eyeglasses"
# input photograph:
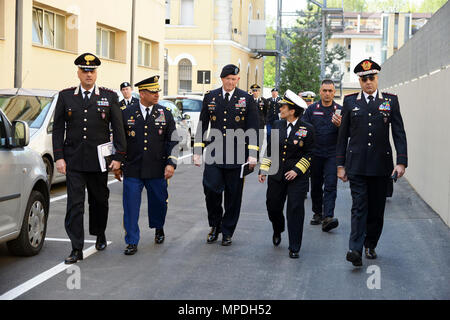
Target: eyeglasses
(370, 77)
(254, 90)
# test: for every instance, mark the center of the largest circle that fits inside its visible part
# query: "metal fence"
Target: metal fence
(426, 52)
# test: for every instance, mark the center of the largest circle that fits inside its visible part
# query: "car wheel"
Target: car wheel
(34, 227)
(48, 169)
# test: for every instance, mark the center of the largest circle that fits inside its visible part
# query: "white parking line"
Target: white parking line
(188, 155)
(44, 276)
(67, 240)
(65, 195)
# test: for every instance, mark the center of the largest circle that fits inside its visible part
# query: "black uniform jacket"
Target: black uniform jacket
(368, 151)
(151, 143)
(239, 113)
(79, 129)
(263, 105)
(134, 101)
(294, 153)
(273, 110)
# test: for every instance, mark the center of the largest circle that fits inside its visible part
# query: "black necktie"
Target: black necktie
(289, 131)
(147, 114)
(227, 96)
(370, 99)
(86, 98)
(128, 102)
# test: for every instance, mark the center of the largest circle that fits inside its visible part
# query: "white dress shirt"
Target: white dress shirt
(289, 128)
(144, 111)
(83, 90)
(231, 93)
(366, 96)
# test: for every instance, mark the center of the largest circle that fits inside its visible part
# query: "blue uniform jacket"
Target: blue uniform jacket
(151, 143)
(326, 132)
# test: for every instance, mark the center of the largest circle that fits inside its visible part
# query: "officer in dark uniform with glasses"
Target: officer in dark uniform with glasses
(364, 157)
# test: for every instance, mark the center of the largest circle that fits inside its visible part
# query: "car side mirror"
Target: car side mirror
(186, 116)
(21, 134)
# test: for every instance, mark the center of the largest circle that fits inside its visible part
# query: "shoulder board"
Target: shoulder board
(107, 89)
(71, 88)
(302, 127)
(391, 94)
(351, 94)
(168, 109)
(123, 107)
(207, 92)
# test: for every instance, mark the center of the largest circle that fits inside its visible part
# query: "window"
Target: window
(396, 32)
(49, 29)
(144, 53)
(187, 12)
(184, 76)
(31, 109)
(369, 48)
(106, 43)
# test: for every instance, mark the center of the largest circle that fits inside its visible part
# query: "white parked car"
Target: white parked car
(24, 190)
(36, 108)
(190, 105)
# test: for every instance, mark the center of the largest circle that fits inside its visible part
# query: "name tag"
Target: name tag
(318, 113)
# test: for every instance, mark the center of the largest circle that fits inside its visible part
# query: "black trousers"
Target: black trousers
(323, 185)
(369, 200)
(295, 192)
(217, 181)
(98, 194)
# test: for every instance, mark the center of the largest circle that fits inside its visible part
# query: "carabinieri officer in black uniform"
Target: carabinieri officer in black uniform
(151, 160)
(83, 115)
(366, 159)
(128, 99)
(288, 171)
(227, 109)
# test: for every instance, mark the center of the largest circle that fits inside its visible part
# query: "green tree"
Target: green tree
(269, 62)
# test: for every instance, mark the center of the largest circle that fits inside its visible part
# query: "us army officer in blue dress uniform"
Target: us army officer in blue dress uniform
(290, 178)
(151, 160)
(325, 120)
(83, 116)
(227, 109)
(366, 158)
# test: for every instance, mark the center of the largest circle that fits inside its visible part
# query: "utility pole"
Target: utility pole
(278, 44)
(18, 45)
(133, 27)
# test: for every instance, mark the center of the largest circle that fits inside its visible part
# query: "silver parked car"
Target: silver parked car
(183, 123)
(36, 108)
(24, 190)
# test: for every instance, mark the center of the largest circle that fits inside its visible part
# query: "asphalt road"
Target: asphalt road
(413, 254)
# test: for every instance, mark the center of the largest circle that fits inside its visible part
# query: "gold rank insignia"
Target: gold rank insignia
(214, 118)
(123, 108)
(300, 143)
(237, 118)
(133, 133)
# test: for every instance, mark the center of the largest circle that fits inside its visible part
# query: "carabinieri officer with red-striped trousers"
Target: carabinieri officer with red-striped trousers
(288, 171)
(150, 162)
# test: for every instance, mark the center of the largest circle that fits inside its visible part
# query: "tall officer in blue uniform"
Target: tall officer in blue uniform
(366, 159)
(273, 110)
(261, 104)
(128, 99)
(151, 160)
(227, 109)
(291, 178)
(83, 115)
(325, 118)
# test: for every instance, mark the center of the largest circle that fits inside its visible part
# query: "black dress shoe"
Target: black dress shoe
(293, 255)
(159, 236)
(213, 235)
(226, 240)
(276, 239)
(317, 219)
(329, 223)
(370, 253)
(75, 255)
(130, 249)
(100, 244)
(355, 258)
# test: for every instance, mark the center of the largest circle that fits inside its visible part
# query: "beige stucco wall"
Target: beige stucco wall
(7, 45)
(426, 125)
(54, 69)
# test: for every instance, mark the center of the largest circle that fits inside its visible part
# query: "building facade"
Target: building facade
(374, 35)
(203, 35)
(52, 33)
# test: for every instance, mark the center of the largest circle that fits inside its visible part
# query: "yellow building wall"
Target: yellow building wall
(50, 68)
(7, 41)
